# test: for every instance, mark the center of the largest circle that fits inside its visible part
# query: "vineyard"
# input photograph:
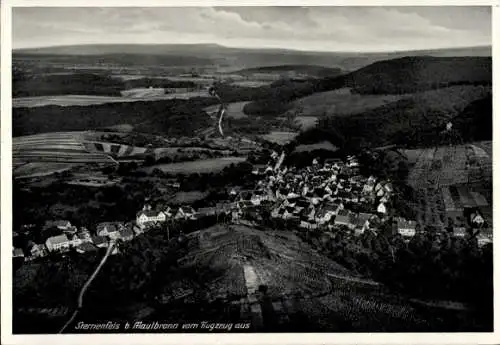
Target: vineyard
(241, 259)
(52, 148)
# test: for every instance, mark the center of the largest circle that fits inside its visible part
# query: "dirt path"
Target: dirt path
(86, 285)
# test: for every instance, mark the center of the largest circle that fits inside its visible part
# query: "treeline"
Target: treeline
(84, 83)
(449, 269)
(420, 73)
(166, 117)
(65, 84)
(405, 122)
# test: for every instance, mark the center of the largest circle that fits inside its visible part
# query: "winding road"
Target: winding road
(86, 285)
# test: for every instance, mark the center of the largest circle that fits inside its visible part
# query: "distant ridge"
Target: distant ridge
(159, 49)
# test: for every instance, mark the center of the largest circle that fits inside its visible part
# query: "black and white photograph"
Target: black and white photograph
(250, 169)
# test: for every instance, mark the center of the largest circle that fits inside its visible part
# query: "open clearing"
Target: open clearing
(324, 145)
(251, 83)
(143, 92)
(182, 198)
(86, 100)
(280, 138)
(234, 110)
(307, 122)
(200, 166)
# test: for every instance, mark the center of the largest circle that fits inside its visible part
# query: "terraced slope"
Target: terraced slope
(234, 263)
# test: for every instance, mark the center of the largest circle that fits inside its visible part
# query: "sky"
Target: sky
(361, 29)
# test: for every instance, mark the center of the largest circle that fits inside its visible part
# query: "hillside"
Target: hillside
(166, 117)
(413, 121)
(388, 77)
(293, 280)
(417, 73)
(344, 102)
(231, 59)
(308, 70)
(25, 84)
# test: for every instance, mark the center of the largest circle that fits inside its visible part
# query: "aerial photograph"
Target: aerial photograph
(252, 169)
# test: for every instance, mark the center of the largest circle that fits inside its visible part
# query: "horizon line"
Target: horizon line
(250, 48)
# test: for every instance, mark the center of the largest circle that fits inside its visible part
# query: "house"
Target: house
(476, 220)
(60, 224)
(17, 253)
(100, 241)
(304, 223)
(245, 195)
(109, 229)
(60, 242)
(37, 250)
(381, 208)
(233, 191)
(185, 212)
(84, 236)
(459, 231)
(224, 207)
(484, 238)
(85, 248)
(406, 228)
(148, 216)
(126, 234)
(342, 218)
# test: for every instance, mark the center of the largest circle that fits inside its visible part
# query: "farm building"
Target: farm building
(58, 243)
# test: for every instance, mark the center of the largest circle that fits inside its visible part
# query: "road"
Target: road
(86, 285)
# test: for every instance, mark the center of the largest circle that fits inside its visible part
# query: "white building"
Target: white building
(148, 216)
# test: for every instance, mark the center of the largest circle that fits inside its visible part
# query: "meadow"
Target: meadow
(201, 166)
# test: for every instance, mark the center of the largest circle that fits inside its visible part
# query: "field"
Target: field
(434, 173)
(307, 122)
(234, 110)
(143, 92)
(30, 170)
(280, 138)
(251, 83)
(182, 198)
(85, 100)
(324, 145)
(202, 166)
(62, 147)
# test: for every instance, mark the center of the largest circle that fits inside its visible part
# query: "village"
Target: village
(325, 197)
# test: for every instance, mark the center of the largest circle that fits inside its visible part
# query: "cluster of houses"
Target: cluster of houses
(328, 195)
(331, 195)
(81, 239)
